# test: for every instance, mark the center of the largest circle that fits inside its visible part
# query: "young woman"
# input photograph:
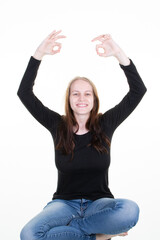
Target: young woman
(83, 206)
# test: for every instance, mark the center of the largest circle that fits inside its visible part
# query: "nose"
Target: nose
(81, 97)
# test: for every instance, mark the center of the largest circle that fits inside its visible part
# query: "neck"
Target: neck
(81, 120)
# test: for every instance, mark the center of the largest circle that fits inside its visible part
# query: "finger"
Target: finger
(60, 36)
(51, 34)
(102, 37)
(55, 34)
(100, 50)
(98, 38)
(56, 51)
(102, 54)
(107, 37)
(56, 48)
(56, 44)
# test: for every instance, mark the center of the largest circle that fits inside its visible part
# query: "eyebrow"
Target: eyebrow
(79, 91)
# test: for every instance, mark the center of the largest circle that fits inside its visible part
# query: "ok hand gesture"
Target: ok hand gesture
(110, 48)
(48, 45)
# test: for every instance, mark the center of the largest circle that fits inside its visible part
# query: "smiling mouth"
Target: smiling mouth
(82, 105)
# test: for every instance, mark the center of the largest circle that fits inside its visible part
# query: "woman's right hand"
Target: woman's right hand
(49, 46)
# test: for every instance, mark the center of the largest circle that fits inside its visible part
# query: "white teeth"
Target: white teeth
(82, 105)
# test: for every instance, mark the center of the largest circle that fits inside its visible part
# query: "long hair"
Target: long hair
(65, 132)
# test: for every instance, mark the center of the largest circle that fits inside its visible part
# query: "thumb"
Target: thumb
(100, 50)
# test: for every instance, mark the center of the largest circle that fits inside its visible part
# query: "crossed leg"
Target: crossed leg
(108, 218)
(104, 218)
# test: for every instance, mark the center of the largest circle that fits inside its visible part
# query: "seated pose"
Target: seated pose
(83, 207)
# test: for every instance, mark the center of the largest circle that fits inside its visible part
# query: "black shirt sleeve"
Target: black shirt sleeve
(116, 115)
(48, 118)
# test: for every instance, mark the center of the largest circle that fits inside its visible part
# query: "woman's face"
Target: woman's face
(81, 97)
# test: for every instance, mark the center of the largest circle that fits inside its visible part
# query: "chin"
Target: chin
(83, 112)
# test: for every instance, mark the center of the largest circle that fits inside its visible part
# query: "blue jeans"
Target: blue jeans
(81, 219)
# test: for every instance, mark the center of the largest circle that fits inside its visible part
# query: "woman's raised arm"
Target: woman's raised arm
(44, 115)
(115, 116)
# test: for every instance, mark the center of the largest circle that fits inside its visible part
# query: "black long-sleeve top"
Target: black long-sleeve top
(86, 176)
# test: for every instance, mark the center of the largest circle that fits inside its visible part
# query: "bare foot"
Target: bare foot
(106, 236)
(123, 234)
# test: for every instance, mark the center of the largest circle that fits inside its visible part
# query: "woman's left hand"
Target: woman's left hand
(108, 46)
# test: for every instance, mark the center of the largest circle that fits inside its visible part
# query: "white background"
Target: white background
(28, 175)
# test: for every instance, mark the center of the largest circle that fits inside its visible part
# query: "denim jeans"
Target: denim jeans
(81, 219)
